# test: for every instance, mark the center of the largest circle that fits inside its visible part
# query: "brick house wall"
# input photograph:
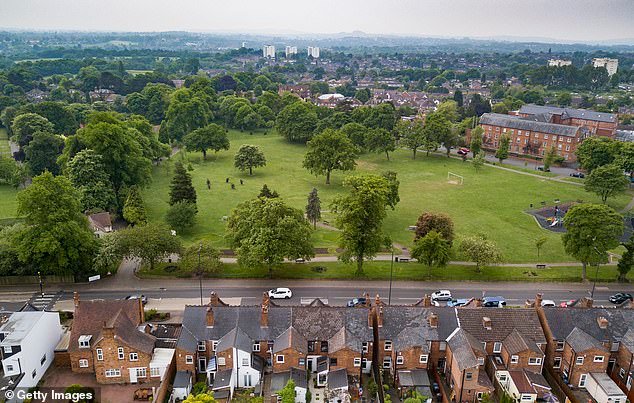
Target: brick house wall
(228, 356)
(291, 360)
(459, 384)
(83, 354)
(569, 358)
(111, 361)
(180, 356)
(624, 365)
(345, 359)
(523, 360)
(411, 358)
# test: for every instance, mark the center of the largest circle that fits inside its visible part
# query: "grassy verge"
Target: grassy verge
(402, 271)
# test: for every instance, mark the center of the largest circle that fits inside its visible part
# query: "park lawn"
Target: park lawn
(8, 201)
(5, 149)
(380, 270)
(492, 201)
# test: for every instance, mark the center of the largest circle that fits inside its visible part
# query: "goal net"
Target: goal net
(454, 179)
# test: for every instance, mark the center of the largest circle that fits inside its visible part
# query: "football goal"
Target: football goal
(454, 179)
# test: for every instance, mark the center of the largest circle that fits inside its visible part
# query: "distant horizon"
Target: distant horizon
(555, 21)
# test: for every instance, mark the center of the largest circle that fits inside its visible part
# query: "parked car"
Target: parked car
(441, 295)
(280, 293)
(548, 303)
(459, 302)
(493, 302)
(142, 297)
(463, 151)
(620, 298)
(578, 175)
(357, 302)
(569, 303)
(543, 169)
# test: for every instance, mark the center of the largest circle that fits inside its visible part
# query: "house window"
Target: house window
(302, 362)
(502, 377)
(615, 346)
(599, 358)
(400, 360)
(357, 361)
(534, 361)
(582, 380)
(622, 372)
(364, 347)
(480, 360)
(154, 371)
(497, 347)
(515, 359)
(221, 361)
(324, 346)
(442, 346)
(43, 359)
(279, 359)
(579, 361)
(311, 346)
(141, 372)
(189, 359)
(33, 374)
(545, 137)
(214, 344)
(557, 362)
(387, 362)
(245, 361)
(99, 354)
(468, 376)
(256, 347)
(479, 395)
(83, 363)
(423, 359)
(7, 349)
(113, 373)
(134, 357)
(201, 346)
(527, 398)
(9, 368)
(84, 341)
(120, 353)
(388, 345)
(567, 148)
(333, 361)
(560, 345)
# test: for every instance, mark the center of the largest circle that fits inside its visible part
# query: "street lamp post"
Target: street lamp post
(39, 277)
(200, 274)
(389, 296)
(596, 273)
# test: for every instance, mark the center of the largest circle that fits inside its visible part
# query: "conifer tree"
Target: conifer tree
(134, 208)
(181, 188)
(313, 208)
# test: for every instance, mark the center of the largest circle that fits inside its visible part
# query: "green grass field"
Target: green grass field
(492, 201)
(5, 150)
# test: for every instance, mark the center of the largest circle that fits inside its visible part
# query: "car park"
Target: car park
(548, 303)
(578, 175)
(441, 295)
(280, 293)
(142, 297)
(493, 302)
(620, 298)
(358, 302)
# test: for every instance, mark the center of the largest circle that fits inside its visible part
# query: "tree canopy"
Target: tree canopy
(606, 181)
(328, 151)
(249, 157)
(211, 137)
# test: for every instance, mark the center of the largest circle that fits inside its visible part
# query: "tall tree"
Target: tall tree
(381, 141)
(268, 193)
(596, 151)
(478, 161)
(313, 207)
(150, 243)
(437, 128)
(357, 133)
(479, 250)
(287, 394)
(265, 231)
(187, 112)
(328, 151)
(393, 184)
(297, 122)
(24, 126)
(201, 257)
(606, 181)
(591, 230)
(627, 260)
(87, 173)
(360, 216)
(181, 216)
(181, 188)
(211, 137)
(56, 238)
(549, 158)
(249, 157)
(42, 152)
(432, 250)
(439, 222)
(502, 152)
(476, 140)
(134, 208)
(411, 135)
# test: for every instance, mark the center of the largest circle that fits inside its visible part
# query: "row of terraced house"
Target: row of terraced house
(529, 353)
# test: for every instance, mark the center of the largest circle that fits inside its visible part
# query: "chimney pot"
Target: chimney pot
(486, 322)
(76, 299)
(264, 318)
(427, 301)
(433, 320)
(210, 317)
(602, 321)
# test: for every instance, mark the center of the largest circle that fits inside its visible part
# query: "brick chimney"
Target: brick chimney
(602, 321)
(477, 302)
(371, 314)
(539, 297)
(585, 302)
(377, 300)
(486, 322)
(209, 317)
(76, 299)
(141, 310)
(427, 301)
(214, 300)
(433, 320)
(380, 316)
(108, 331)
(367, 299)
(264, 318)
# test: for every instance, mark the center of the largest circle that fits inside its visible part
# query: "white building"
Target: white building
(559, 63)
(290, 51)
(246, 368)
(611, 65)
(268, 51)
(603, 389)
(27, 345)
(313, 52)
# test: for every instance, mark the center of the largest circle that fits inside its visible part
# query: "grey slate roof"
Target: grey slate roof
(235, 338)
(516, 122)
(280, 379)
(291, 338)
(562, 320)
(182, 379)
(337, 379)
(222, 379)
(462, 345)
(568, 112)
(408, 326)
(503, 321)
(515, 343)
(628, 339)
(582, 341)
(412, 378)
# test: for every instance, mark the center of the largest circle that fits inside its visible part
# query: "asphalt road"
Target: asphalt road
(249, 292)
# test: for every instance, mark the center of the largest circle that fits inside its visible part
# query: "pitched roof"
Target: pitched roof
(563, 320)
(280, 379)
(515, 343)
(128, 333)
(100, 220)
(344, 339)
(586, 114)
(20, 324)
(582, 341)
(628, 339)
(516, 122)
(182, 379)
(235, 338)
(522, 383)
(503, 322)
(462, 345)
(409, 325)
(414, 377)
(291, 338)
(337, 379)
(91, 316)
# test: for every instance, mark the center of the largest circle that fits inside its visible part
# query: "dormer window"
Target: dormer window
(84, 341)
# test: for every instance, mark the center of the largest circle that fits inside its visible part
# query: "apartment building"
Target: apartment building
(611, 65)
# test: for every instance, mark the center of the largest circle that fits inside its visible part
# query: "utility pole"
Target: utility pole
(200, 273)
(39, 276)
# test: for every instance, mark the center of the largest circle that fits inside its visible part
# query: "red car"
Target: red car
(463, 151)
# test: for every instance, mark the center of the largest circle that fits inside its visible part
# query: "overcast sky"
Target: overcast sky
(581, 20)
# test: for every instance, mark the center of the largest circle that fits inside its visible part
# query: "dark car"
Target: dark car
(357, 302)
(543, 169)
(142, 297)
(463, 151)
(578, 175)
(620, 298)
(494, 302)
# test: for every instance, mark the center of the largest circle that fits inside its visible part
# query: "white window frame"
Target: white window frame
(155, 372)
(557, 362)
(534, 361)
(423, 358)
(560, 345)
(141, 372)
(8, 350)
(279, 359)
(579, 361)
(387, 345)
(120, 353)
(256, 347)
(515, 359)
(598, 358)
(364, 347)
(222, 361)
(189, 359)
(480, 360)
(468, 376)
(497, 347)
(615, 346)
(133, 356)
(400, 360)
(622, 372)
(357, 361)
(387, 362)
(9, 368)
(245, 361)
(99, 354)
(202, 346)
(582, 380)
(214, 345)
(83, 363)
(112, 373)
